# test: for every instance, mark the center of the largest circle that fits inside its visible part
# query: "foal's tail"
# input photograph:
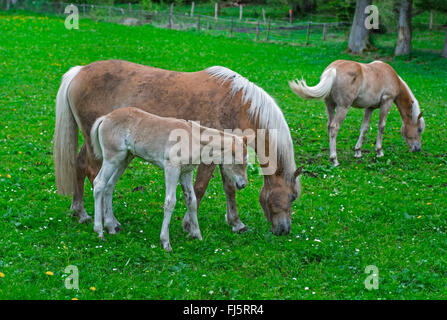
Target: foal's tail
(94, 135)
(65, 137)
(320, 91)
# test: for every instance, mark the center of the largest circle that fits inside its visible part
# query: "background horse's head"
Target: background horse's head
(412, 132)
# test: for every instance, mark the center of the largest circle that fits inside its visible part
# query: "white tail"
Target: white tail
(94, 135)
(320, 91)
(65, 138)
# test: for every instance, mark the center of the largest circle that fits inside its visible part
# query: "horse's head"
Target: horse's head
(412, 132)
(276, 198)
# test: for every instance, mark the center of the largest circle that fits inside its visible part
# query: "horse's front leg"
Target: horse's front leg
(232, 216)
(384, 110)
(77, 203)
(363, 130)
(171, 178)
(190, 222)
(203, 177)
(334, 127)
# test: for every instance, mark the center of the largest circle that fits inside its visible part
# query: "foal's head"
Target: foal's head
(412, 132)
(237, 169)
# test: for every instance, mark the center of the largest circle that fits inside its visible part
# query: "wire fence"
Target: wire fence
(263, 29)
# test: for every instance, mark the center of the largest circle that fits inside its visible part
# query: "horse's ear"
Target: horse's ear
(420, 116)
(297, 172)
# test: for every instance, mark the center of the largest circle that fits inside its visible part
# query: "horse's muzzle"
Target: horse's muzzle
(282, 229)
(240, 185)
(416, 147)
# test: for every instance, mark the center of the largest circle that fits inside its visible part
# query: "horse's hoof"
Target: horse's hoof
(358, 154)
(85, 219)
(167, 247)
(244, 229)
(379, 154)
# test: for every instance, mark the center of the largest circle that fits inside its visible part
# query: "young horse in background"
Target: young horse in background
(369, 86)
(130, 132)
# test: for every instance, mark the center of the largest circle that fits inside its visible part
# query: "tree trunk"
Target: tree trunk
(359, 36)
(403, 44)
(444, 51)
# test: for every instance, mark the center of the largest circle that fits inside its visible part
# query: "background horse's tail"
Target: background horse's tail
(97, 149)
(320, 91)
(65, 138)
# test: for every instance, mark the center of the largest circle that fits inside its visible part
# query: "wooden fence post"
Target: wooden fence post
(431, 20)
(110, 14)
(257, 31)
(263, 14)
(268, 30)
(231, 28)
(130, 8)
(308, 32)
(216, 10)
(198, 22)
(192, 9)
(83, 9)
(240, 12)
(171, 9)
(324, 31)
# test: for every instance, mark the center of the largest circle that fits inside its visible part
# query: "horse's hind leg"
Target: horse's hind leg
(384, 110)
(110, 223)
(232, 216)
(99, 186)
(365, 125)
(190, 223)
(77, 204)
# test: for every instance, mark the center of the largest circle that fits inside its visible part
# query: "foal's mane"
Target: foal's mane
(264, 109)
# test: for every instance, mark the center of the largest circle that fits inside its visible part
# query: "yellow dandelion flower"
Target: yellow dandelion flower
(428, 203)
(49, 273)
(93, 288)
(8, 176)
(75, 299)
(2, 275)
(419, 217)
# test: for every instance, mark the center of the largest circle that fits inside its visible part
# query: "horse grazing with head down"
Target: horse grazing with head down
(369, 86)
(216, 97)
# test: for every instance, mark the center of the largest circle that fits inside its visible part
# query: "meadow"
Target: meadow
(388, 212)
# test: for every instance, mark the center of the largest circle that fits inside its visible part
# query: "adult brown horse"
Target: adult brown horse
(217, 97)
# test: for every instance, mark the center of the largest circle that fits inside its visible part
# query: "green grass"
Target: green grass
(388, 212)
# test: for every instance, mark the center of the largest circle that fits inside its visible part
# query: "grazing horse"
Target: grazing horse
(217, 97)
(369, 86)
(126, 133)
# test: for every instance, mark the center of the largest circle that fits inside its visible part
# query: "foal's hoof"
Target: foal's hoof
(358, 154)
(242, 230)
(85, 219)
(379, 153)
(167, 247)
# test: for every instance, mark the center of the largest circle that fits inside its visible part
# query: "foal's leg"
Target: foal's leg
(77, 203)
(99, 186)
(110, 223)
(384, 110)
(171, 178)
(190, 222)
(232, 216)
(365, 125)
(334, 126)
